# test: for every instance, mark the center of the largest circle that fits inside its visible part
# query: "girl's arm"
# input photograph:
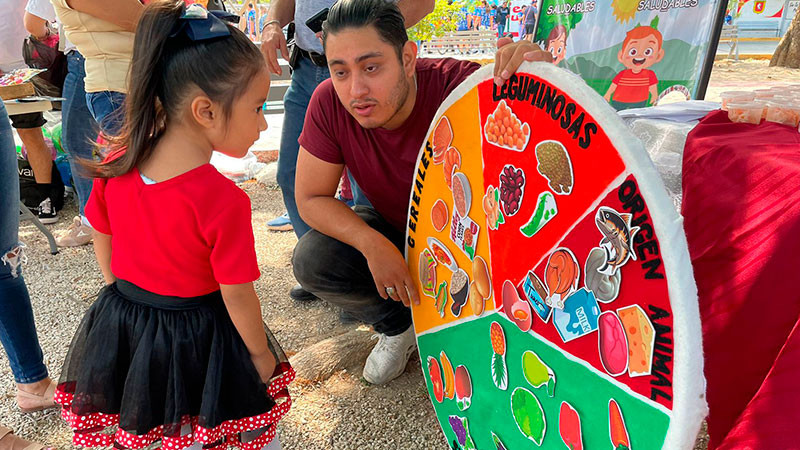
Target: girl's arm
(102, 251)
(245, 311)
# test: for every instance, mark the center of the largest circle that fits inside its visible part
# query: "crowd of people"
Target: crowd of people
(174, 348)
(483, 16)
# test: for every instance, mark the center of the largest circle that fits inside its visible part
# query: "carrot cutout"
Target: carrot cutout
(449, 376)
(499, 368)
(616, 427)
(569, 427)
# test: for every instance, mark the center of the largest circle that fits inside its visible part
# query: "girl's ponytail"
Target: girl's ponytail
(144, 115)
(166, 65)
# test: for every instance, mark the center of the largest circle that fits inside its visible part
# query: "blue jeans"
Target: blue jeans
(17, 329)
(501, 28)
(108, 109)
(79, 129)
(305, 79)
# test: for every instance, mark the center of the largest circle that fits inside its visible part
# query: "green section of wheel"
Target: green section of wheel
(469, 344)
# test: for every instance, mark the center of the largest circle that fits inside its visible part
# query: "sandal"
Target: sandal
(40, 401)
(10, 439)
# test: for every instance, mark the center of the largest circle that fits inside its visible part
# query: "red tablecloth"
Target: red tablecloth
(741, 204)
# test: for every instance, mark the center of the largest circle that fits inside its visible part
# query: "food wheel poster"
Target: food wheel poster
(558, 307)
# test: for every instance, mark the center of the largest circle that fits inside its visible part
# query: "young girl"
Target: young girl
(174, 349)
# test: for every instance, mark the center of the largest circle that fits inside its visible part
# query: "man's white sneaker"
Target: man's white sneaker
(388, 359)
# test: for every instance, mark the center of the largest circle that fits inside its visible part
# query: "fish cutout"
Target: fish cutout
(617, 239)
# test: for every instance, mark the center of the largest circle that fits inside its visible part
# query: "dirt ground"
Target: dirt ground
(342, 412)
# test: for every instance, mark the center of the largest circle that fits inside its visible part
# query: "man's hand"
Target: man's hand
(272, 41)
(510, 56)
(389, 269)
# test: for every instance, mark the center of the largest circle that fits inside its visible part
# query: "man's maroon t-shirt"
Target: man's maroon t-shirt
(381, 161)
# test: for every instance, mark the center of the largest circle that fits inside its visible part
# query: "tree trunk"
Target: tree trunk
(321, 360)
(788, 52)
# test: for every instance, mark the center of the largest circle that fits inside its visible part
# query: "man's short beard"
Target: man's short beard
(398, 97)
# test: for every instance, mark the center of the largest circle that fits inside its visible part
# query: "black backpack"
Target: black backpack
(29, 191)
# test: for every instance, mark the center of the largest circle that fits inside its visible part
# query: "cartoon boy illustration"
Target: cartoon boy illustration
(636, 86)
(557, 43)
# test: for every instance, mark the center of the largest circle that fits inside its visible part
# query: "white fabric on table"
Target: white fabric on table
(663, 131)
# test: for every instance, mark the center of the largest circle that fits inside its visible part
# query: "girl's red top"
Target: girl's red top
(181, 237)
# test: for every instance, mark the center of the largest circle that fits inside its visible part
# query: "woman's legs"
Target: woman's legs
(17, 328)
(79, 130)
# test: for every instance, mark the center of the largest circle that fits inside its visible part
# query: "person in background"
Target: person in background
(249, 20)
(487, 16)
(17, 327)
(531, 15)
(372, 117)
(78, 127)
(310, 70)
(477, 16)
(102, 31)
(28, 126)
(262, 17)
(501, 16)
(521, 19)
(463, 19)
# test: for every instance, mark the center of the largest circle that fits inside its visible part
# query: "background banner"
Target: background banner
(765, 18)
(634, 52)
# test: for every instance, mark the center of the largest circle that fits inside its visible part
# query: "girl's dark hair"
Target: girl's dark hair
(164, 70)
(384, 16)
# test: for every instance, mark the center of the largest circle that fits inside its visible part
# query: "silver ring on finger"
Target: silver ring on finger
(390, 291)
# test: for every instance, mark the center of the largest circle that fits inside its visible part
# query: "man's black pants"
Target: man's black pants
(339, 274)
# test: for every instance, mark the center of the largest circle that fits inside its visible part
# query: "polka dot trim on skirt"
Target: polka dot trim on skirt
(89, 429)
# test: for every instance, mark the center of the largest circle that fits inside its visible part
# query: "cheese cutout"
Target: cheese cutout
(641, 338)
(545, 211)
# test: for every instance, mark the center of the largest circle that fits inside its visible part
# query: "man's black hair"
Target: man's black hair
(381, 14)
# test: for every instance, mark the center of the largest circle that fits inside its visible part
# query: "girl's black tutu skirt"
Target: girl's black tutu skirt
(144, 367)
